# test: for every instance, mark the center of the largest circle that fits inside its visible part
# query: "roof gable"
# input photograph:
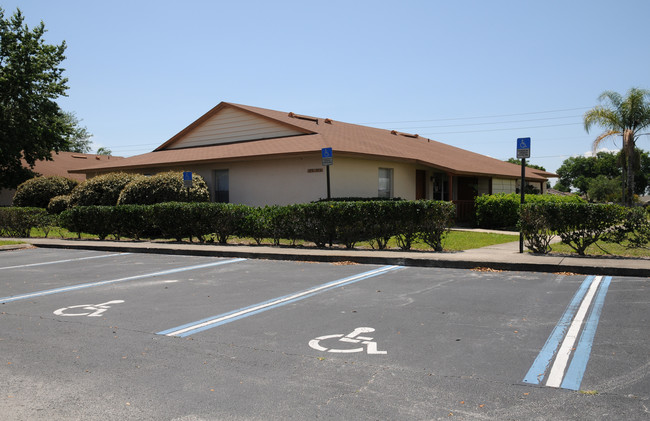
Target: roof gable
(227, 123)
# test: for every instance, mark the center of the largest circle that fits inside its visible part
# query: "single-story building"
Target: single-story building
(61, 164)
(256, 156)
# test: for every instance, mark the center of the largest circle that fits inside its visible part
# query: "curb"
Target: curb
(586, 269)
(9, 247)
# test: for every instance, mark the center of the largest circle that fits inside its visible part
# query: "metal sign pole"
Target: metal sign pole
(523, 152)
(329, 195)
(523, 199)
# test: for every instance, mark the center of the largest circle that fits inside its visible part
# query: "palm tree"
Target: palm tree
(622, 116)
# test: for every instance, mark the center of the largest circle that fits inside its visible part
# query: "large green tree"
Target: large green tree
(622, 116)
(32, 124)
(79, 137)
(579, 172)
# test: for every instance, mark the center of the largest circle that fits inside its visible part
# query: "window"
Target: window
(385, 182)
(221, 186)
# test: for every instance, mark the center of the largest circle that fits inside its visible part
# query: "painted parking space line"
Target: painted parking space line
(560, 347)
(63, 261)
(114, 281)
(221, 319)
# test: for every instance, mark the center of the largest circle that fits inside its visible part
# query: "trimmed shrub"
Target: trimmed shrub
(103, 190)
(226, 220)
(164, 187)
(580, 225)
(134, 221)
(535, 220)
(380, 220)
(97, 220)
(37, 192)
(437, 219)
(256, 224)
(323, 222)
(170, 218)
(314, 222)
(19, 221)
(502, 210)
(59, 203)
(283, 222)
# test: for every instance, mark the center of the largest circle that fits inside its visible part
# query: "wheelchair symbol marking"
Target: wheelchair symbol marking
(94, 310)
(353, 338)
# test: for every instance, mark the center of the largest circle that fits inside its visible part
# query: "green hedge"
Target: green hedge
(502, 210)
(19, 221)
(344, 223)
(580, 225)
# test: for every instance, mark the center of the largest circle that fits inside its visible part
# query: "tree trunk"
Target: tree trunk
(628, 152)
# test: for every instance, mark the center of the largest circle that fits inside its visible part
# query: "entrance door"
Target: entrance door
(420, 184)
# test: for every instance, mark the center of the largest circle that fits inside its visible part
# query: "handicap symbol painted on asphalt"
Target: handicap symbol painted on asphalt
(351, 338)
(94, 310)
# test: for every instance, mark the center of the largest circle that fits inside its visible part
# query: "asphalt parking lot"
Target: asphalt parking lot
(95, 335)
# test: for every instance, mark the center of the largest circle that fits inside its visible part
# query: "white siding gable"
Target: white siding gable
(232, 125)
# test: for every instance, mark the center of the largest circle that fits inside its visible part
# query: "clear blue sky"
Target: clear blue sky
(474, 74)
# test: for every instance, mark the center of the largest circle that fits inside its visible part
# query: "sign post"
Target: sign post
(187, 182)
(523, 152)
(328, 160)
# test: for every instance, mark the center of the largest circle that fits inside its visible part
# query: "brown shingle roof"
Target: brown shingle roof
(62, 162)
(344, 138)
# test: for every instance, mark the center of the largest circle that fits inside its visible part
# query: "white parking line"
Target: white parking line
(64, 261)
(113, 281)
(211, 322)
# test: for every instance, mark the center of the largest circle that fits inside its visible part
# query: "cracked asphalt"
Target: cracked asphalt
(94, 336)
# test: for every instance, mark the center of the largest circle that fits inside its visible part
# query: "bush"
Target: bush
(134, 221)
(37, 192)
(18, 222)
(502, 210)
(635, 230)
(59, 203)
(436, 221)
(97, 220)
(171, 219)
(164, 187)
(535, 220)
(579, 225)
(103, 190)
(256, 224)
(320, 223)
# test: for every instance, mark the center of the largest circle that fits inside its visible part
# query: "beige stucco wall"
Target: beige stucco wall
(303, 179)
(353, 177)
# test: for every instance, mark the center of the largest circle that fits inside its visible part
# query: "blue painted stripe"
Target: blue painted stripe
(573, 376)
(113, 281)
(63, 261)
(539, 368)
(231, 316)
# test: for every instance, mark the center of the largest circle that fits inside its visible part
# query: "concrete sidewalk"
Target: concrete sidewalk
(498, 257)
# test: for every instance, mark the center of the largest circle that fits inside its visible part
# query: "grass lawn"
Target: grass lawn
(604, 249)
(9, 242)
(457, 241)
